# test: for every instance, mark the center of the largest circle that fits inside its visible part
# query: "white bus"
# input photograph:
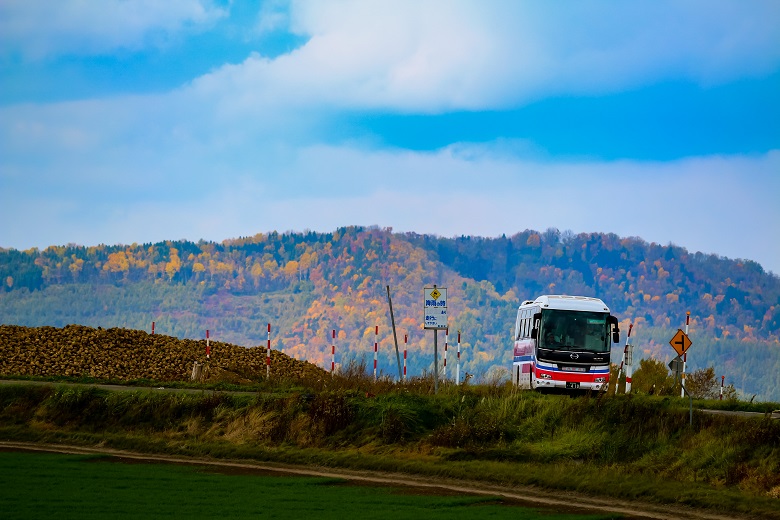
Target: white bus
(563, 342)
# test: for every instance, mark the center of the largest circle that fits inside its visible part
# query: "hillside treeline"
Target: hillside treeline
(308, 284)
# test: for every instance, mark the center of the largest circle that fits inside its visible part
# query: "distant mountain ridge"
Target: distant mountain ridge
(308, 284)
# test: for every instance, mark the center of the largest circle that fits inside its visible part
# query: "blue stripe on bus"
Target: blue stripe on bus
(522, 359)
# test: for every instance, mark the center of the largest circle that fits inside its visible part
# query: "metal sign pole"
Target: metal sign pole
(435, 361)
(685, 356)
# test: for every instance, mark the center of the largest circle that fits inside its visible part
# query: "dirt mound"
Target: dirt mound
(124, 354)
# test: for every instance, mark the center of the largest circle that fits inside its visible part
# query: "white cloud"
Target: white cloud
(723, 205)
(274, 16)
(230, 153)
(397, 56)
(437, 56)
(41, 28)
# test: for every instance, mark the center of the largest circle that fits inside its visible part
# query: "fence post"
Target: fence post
(268, 355)
(457, 365)
(446, 342)
(376, 339)
(629, 360)
(406, 338)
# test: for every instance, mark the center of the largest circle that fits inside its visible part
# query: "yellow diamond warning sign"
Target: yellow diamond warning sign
(680, 342)
(435, 294)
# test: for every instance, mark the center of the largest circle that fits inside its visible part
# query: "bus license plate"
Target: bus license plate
(572, 386)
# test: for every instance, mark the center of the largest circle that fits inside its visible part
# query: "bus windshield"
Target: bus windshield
(575, 330)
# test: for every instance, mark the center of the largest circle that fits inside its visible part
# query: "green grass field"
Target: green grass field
(626, 447)
(44, 485)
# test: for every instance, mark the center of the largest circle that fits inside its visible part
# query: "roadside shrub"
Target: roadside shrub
(330, 412)
(18, 403)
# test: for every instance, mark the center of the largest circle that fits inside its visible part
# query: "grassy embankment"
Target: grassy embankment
(628, 447)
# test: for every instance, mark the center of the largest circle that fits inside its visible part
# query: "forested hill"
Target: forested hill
(307, 284)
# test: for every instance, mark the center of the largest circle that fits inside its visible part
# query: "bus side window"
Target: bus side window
(527, 327)
(522, 326)
(525, 324)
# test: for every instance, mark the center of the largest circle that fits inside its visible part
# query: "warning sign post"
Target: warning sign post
(435, 318)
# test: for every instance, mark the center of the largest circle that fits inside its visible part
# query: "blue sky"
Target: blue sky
(139, 121)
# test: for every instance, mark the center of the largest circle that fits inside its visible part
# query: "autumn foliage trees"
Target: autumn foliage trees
(648, 282)
(309, 284)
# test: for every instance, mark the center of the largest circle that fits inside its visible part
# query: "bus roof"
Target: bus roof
(573, 303)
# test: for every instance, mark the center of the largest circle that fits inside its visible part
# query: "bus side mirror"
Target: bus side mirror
(612, 320)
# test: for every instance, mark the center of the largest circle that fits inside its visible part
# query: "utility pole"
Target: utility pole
(395, 336)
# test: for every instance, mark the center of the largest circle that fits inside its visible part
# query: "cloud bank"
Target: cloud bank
(249, 146)
(38, 29)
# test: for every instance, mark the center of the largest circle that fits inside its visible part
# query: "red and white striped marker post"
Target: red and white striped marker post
(268, 355)
(620, 368)
(623, 359)
(406, 338)
(685, 355)
(208, 345)
(457, 365)
(446, 341)
(722, 382)
(629, 354)
(376, 347)
(333, 353)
